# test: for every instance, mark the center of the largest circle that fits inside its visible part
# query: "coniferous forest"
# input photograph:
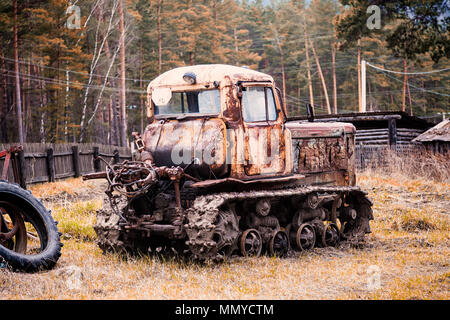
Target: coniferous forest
(77, 71)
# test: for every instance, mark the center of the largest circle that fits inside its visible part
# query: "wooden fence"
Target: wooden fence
(379, 155)
(50, 162)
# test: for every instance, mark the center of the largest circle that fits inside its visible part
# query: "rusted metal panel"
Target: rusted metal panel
(265, 150)
(303, 130)
(325, 150)
(207, 74)
(200, 143)
(321, 154)
(253, 182)
(265, 143)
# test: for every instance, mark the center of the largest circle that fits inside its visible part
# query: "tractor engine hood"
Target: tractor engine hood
(319, 129)
(199, 145)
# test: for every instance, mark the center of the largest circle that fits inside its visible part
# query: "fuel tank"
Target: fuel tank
(198, 144)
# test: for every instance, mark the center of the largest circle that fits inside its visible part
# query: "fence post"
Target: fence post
(22, 169)
(50, 165)
(97, 167)
(361, 155)
(76, 161)
(392, 127)
(116, 156)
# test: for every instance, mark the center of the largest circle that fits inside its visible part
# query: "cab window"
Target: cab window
(201, 102)
(258, 104)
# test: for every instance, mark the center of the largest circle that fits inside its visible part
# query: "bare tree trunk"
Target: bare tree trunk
(28, 120)
(308, 69)
(113, 120)
(405, 79)
(333, 70)
(109, 120)
(100, 95)
(116, 112)
(283, 73)
(43, 103)
(409, 99)
(160, 4)
(322, 79)
(24, 88)
(66, 108)
(123, 102)
(392, 99)
(16, 69)
(236, 46)
(141, 85)
(96, 57)
(359, 77)
(3, 103)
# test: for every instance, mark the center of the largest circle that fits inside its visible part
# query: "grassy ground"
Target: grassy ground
(406, 256)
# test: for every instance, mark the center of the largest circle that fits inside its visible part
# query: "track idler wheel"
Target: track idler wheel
(330, 235)
(305, 237)
(251, 243)
(279, 244)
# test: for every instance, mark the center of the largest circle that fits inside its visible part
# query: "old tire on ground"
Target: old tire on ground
(22, 202)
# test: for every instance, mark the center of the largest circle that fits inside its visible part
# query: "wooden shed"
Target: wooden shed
(437, 139)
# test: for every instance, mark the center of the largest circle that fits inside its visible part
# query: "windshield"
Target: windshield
(258, 104)
(202, 102)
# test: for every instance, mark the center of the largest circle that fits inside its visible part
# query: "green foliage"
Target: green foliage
(68, 75)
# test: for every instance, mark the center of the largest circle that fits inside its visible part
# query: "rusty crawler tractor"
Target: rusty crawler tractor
(221, 171)
(29, 239)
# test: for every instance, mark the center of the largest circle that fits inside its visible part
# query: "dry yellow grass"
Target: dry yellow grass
(409, 246)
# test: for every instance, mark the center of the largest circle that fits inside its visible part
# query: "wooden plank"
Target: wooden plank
(22, 168)
(76, 161)
(65, 175)
(97, 166)
(116, 156)
(35, 155)
(50, 165)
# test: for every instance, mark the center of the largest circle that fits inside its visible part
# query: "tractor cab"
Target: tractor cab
(218, 121)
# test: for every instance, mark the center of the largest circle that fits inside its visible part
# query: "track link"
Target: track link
(202, 214)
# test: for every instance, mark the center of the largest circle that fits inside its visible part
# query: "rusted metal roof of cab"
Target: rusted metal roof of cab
(441, 132)
(208, 73)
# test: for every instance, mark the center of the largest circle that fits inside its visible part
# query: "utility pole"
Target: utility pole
(363, 86)
(359, 77)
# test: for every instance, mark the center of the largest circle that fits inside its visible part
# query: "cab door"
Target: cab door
(263, 131)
